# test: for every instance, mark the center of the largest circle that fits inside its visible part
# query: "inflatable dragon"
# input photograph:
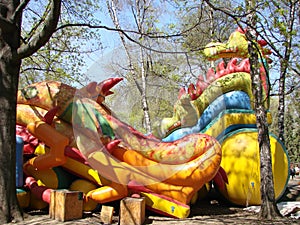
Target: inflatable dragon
(222, 107)
(62, 117)
(235, 76)
(206, 134)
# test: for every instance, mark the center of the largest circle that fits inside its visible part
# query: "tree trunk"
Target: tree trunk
(11, 53)
(142, 88)
(9, 74)
(145, 107)
(283, 71)
(9, 205)
(281, 105)
(269, 208)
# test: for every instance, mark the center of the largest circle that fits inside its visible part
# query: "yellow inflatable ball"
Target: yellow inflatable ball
(241, 161)
(85, 186)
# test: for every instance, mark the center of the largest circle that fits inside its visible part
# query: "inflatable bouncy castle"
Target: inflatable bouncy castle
(72, 140)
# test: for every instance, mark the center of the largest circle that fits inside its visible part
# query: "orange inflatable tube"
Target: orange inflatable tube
(186, 174)
(85, 171)
(27, 114)
(184, 183)
(54, 140)
(112, 192)
(122, 172)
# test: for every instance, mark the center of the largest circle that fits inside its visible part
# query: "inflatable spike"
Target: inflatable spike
(218, 180)
(223, 174)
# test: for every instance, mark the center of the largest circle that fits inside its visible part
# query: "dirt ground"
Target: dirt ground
(210, 211)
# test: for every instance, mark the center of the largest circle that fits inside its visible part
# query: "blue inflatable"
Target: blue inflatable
(229, 100)
(19, 161)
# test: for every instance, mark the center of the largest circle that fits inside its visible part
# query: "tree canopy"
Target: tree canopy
(65, 55)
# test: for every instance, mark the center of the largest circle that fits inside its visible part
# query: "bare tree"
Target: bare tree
(111, 5)
(283, 40)
(11, 54)
(269, 208)
(285, 57)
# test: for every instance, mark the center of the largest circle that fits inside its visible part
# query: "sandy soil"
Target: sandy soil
(209, 211)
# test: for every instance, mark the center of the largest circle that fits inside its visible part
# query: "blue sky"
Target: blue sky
(111, 40)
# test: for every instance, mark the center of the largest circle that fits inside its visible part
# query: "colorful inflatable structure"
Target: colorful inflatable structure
(113, 156)
(73, 141)
(222, 107)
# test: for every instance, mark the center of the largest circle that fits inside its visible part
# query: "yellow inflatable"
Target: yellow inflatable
(232, 119)
(85, 186)
(165, 205)
(160, 203)
(240, 160)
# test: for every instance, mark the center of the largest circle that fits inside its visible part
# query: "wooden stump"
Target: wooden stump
(66, 205)
(132, 211)
(107, 214)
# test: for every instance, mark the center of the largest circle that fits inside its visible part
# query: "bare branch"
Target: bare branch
(41, 38)
(125, 33)
(287, 92)
(20, 9)
(37, 69)
(37, 25)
